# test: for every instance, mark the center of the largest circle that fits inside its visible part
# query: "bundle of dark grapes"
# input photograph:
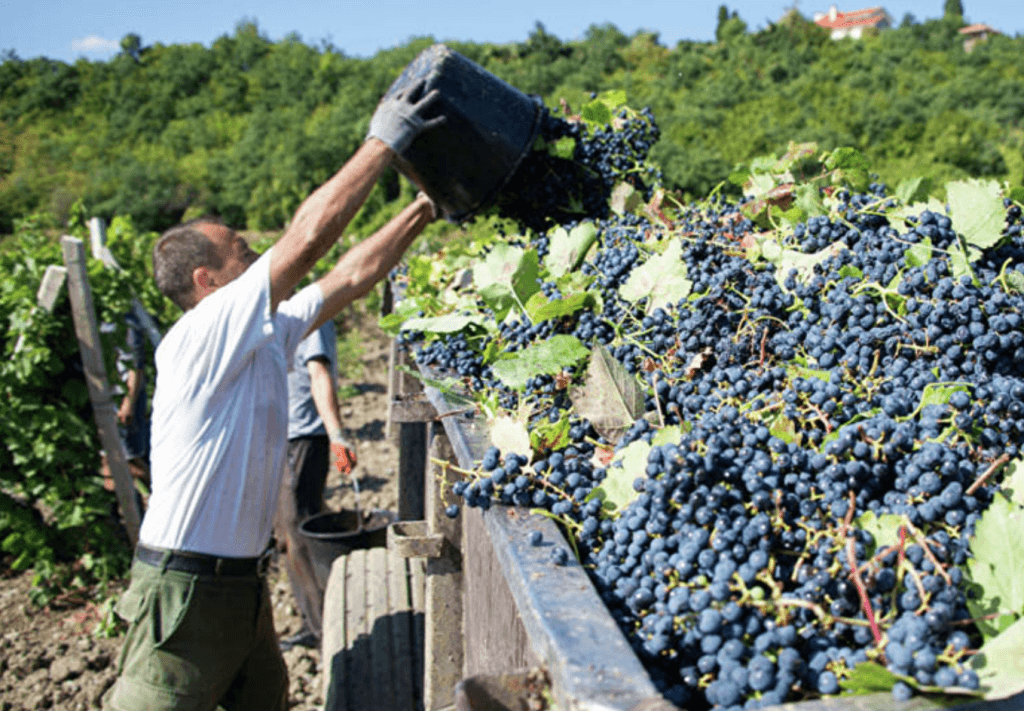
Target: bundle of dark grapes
(783, 434)
(577, 161)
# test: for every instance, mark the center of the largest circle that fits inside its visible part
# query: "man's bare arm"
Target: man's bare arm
(361, 267)
(322, 218)
(324, 391)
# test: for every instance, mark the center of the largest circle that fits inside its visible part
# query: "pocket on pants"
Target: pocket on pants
(169, 608)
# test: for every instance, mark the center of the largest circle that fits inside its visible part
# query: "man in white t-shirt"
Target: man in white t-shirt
(201, 631)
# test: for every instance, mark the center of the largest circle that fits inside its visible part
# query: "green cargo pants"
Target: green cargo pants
(196, 642)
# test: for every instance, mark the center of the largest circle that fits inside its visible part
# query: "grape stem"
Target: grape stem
(993, 468)
(865, 601)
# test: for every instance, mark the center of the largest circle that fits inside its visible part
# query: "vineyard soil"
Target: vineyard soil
(49, 657)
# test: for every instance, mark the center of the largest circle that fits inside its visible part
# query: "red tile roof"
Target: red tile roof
(858, 18)
(978, 29)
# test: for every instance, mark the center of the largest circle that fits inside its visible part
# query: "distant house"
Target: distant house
(852, 24)
(974, 34)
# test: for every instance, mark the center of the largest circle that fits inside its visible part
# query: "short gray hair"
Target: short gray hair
(178, 252)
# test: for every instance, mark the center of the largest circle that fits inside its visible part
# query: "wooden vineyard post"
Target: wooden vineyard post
(84, 315)
(46, 297)
(98, 244)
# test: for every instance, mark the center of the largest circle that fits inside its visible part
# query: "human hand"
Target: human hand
(342, 453)
(400, 118)
(433, 205)
(124, 413)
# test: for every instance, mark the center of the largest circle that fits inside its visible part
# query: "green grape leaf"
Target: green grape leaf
(596, 112)
(562, 148)
(661, 279)
(787, 260)
(544, 358)
(873, 678)
(550, 435)
(997, 567)
(568, 249)
(667, 435)
(510, 435)
(808, 199)
(1000, 664)
(611, 398)
(506, 278)
(849, 166)
(540, 309)
(976, 208)
(616, 491)
(885, 529)
(913, 190)
(920, 254)
(625, 199)
(1013, 482)
(450, 323)
(868, 678)
(960, 262)
(938, 394)
(1015, 281)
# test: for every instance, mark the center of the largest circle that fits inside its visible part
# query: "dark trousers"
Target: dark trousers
(302, 495)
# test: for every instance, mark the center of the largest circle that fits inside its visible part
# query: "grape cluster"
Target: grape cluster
(740, 572)
(548, 190)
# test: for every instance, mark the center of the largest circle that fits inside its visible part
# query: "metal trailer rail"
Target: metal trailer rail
(497, 606)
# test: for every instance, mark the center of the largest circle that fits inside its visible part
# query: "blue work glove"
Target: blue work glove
(401, 117)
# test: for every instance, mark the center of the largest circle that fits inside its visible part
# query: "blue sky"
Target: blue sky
(93, 28)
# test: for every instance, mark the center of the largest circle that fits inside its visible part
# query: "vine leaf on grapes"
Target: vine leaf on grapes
(507, 278)
(936, 394)
(451, 388)
(1000, 664)
(911, 212)
(544, 358)
(568, 248)
(913, 190)
(552, 436)
(884, 529)
(849, 167)
(670, 435)
(873, 678)
(539, 308)
(1013, 482)
(788, 260)
(976, 208)
(510, 434)
(920, 254)
(450, 323)
(997, 567)
(625, 199)
(611, 398)
(662, 279)
(617, 491)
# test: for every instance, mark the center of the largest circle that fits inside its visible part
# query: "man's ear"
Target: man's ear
(202, 280)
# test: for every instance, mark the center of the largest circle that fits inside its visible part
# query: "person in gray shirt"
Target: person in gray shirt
(314, 439)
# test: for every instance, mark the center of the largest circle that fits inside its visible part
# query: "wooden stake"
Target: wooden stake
(84, 314)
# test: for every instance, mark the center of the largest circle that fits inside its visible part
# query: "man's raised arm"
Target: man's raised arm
(323, 216)
(361, 267)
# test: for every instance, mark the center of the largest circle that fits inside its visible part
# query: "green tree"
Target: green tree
(723, 17)
(953, 11)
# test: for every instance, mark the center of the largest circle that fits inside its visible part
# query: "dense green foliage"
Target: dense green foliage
(55, 516)
(247, 127)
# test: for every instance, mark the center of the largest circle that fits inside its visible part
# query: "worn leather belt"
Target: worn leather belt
(201, 563)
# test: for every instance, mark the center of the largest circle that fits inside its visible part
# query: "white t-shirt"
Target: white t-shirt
(220, 417)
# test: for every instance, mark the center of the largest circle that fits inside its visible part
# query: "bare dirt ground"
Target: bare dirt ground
(50, 657)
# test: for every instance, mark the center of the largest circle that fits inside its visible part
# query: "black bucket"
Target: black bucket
(336, 533)
(491, 126)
